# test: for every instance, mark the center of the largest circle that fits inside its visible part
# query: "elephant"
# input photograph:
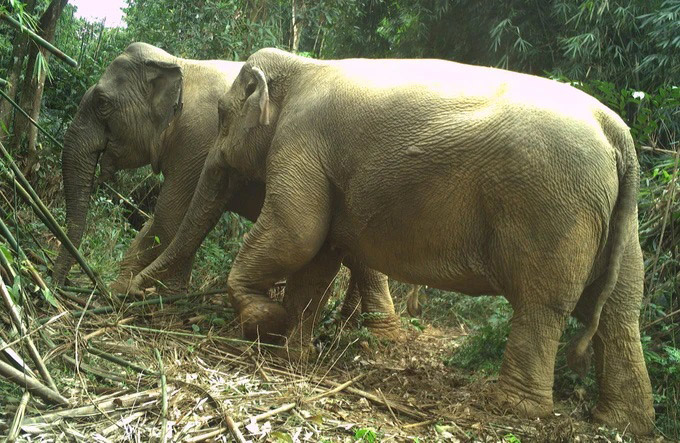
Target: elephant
(150, 107)
(463, 178)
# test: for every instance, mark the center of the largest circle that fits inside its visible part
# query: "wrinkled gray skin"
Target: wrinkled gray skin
(462, 178)
(152, 108)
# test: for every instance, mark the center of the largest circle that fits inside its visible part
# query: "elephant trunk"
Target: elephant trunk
(83, 143)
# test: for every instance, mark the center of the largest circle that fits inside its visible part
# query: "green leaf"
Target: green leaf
(281, 437)
(49, 297)
(6, 252)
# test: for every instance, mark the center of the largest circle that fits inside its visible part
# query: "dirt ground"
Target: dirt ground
(397, 392)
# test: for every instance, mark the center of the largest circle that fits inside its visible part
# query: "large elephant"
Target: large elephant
(463, 178)
(152, 108)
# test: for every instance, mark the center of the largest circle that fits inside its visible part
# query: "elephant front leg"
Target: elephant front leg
(289, 233)
(142, 251)
(307, 292)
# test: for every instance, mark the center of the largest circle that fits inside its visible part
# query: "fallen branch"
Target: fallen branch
(52, 225)
(662, 319)
(335, 389)
(125, 421)
(32, 350)
(233, 428)
(18, 418)
(123, 402)
(119, 361)
(164, 398)
(286, 407)
(104, 375)
(387, 403)
(31, 385)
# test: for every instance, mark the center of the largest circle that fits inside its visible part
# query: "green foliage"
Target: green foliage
(482, 350)
(366, 434)
(209, 29)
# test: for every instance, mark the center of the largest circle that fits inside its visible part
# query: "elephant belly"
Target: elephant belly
(432, 250)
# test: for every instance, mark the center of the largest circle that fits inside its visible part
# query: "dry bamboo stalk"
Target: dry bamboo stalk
(374, 398)
(38, 205)
(396, 420)
(124, 421)
(233, 427)
(122, 402)
(419, 424)
(222, 430)
(107, 376)
(15, 359)
(335, 389)
(32, 350)
(18, 418)
(119, 361)
(164, 397)
(31, 332)
(126, 200)
(32, 385)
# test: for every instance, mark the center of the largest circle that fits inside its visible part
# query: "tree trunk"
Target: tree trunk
(18, 56)
(32, 88)
(297, 7)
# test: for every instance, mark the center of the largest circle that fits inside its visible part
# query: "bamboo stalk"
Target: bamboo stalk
(39, 40)
(119, 361)
(7, 266)
(375, 399)
(31, 384)
(27, 198)
(4, 230)
(233, 428)
(164, 398)
(120, 424)
(126, 200)
(53, 225)
(335, 389)
(28, 117)
(122, 402)
(104, 375)
(18, 418)
(32, 350)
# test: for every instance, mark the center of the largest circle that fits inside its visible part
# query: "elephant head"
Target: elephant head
(119, 124)
(249, 111)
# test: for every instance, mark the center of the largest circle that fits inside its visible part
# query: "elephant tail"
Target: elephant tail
(413, 302)
(623, 217)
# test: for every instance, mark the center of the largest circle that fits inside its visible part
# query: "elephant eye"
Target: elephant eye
(103, 104)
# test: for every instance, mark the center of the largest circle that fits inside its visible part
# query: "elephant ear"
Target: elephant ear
(165, 80)
(256, 106)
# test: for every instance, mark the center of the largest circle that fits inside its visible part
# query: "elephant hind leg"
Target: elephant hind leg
(625, 393)
(368, 297)
(526, 378)
(543, 289)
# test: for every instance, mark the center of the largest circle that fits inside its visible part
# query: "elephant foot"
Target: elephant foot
(122, 283)
(623, 418)
(521, 402)
(386, 328)
(264, 320)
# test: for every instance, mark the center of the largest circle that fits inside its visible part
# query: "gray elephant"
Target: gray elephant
(152, 108)
(463, 178)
